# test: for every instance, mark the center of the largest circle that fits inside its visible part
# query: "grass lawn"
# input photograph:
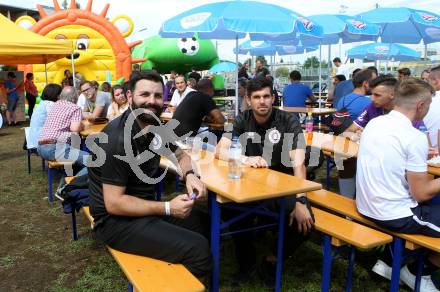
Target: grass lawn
(37, 252)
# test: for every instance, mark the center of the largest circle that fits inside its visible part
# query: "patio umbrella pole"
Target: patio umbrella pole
(320, 83)
(236, 75)
(73, 69)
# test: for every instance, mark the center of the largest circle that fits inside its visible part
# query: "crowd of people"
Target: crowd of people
(388, 179)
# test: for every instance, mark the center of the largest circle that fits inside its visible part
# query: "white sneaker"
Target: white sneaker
(382, 269)
(426, 284)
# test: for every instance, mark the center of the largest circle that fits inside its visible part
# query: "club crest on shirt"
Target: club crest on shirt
(156, 143)
(274, 136)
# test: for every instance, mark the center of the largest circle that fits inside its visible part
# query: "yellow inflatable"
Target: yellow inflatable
(100, 48)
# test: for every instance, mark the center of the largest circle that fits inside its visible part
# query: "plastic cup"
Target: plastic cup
(195, 147)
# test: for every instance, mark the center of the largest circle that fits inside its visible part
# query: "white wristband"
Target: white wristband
(167, 209)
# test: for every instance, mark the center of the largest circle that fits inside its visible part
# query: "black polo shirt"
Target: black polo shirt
(116, 171)
(191, 112)
(278, 136)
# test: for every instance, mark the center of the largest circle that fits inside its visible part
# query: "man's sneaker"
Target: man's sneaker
(426, 284)
(382, 269)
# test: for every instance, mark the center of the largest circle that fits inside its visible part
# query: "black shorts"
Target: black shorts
(426, 220)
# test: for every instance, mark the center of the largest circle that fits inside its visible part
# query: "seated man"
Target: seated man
(97, 103)
(63, 119)
(382, 97)
(432, 118)
(343, 88)
(403, 73)
(279, 131)
(198, 105)
(296, 93)
(122, 200)
(180, 93)
(392, 182)
(358, 100)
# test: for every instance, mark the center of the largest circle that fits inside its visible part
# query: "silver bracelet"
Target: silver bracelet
(167, 209)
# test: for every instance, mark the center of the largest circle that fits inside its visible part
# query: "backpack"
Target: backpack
(341, 120)
(75, 194)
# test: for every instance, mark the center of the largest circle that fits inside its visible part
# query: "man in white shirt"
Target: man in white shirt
(432, 119)
(392, 183)
(341, 69)
(180, 93)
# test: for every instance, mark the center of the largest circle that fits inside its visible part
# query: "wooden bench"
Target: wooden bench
(347, 207)
(147, 274)
(340, 233)
(54, 165)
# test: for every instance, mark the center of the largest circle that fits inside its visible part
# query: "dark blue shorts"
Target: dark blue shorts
(12, 104)
(426, 220)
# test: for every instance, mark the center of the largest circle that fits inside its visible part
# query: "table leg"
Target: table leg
(281, 220)
(326, 263)
(420, 260)
(397, 262)
(215, 239)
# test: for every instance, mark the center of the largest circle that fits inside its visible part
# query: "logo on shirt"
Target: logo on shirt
(156, 144)
(274, 136)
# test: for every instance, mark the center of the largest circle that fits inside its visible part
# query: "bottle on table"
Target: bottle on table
(309, 122)
(234, 162)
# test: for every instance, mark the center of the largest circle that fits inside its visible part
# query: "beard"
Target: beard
(150, 119)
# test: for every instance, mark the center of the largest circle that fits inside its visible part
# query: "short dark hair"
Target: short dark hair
(11, 75)
(126, 86)
(258, 84)
(85, 82)
(337, 59)
(295, 75)
(409, 89)
(355, 71)
(360, 77)
(204, 84)
(434, 73)
(67, 70)
(340, 77)
(242, 82)
(404, 71)
(374, 69)
(29, 75)
(145, 75)
(384, 81)
(51, 92)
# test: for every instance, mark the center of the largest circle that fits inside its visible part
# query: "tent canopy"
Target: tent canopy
(21, 46)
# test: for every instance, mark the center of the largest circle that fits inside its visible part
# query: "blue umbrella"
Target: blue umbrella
(381, 51)
(405, 25)
(261, 48)
(346, 28)
(234, 20)
(223, 67)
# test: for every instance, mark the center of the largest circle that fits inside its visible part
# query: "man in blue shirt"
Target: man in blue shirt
(358, 100)
(12, 95)
(296, 93)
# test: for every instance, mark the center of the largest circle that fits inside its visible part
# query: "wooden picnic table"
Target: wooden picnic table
(90, 128)
(167, 116)
(225, 98)
(434, 170)
(305, 110)
(336, 145)
(255, 185)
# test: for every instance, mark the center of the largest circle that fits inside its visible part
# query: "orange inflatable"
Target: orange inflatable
(101, 50)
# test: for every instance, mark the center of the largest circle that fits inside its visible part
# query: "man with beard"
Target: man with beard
(122, 200)
(279, 131)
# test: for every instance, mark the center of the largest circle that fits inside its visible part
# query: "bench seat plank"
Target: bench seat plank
(347, 207)
(350, 232)
(151, 275)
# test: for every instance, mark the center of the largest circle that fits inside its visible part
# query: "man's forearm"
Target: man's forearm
(131, 206)
(184, 162)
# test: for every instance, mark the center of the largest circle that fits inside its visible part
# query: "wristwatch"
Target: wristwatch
(191, 172)
(302, 200)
